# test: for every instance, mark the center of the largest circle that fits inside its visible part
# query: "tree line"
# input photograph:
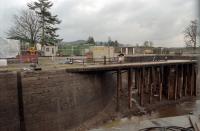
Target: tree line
(91, 41)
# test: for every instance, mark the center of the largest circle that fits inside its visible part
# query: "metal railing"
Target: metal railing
(92, 61)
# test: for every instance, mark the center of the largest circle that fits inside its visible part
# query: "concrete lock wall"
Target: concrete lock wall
(52, 100)
(9, 113)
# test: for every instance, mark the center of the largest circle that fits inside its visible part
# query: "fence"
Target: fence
(72, 60)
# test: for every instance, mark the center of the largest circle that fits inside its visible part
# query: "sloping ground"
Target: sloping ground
(109, 119)
(186, 122)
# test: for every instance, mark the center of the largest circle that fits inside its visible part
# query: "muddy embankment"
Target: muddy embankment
(52, 100)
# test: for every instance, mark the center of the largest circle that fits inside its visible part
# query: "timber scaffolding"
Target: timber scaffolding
(153, 81)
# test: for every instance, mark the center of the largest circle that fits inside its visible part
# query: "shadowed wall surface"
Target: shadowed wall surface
(53, 100)
(56, 100)
(9, 114)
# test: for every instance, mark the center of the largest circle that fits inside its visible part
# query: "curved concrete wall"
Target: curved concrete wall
(57, 101)
(53, 100)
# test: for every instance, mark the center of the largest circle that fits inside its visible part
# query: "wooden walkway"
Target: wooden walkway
(171, 79)
(113, 67)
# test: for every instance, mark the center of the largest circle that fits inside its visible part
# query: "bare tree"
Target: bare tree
(148, 44)
(190, 34)
(26, 27)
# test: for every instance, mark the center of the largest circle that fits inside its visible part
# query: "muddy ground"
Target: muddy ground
(161, 109)
(165, 108)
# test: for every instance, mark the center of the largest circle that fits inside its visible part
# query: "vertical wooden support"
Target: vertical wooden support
(119, 84)
(152, 74)
(165, 80)
(135, 71)
(130, 86)
(161, 82)
(151, 93)
(142, 86)
(181, 81)
(195, 80)
(144, 81)
(191, 79)
(187, 79)
(148, 79)
(169, 82)
(176, 82)
(139, 81)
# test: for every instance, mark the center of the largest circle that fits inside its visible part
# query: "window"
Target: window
(52, 50)
(47, 49)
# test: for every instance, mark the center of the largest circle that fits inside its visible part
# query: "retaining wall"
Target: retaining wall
(9, 113)
(53, 100)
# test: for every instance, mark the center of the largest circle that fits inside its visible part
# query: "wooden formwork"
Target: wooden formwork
(171, 82)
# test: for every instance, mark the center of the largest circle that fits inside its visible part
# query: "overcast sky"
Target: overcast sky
(128, 21)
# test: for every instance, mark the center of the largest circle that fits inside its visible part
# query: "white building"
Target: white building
(101, 51)
(49, 50)
(9, 48)
(128, 50)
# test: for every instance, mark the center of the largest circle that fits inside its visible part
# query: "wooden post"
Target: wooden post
(148, 79)
(186, 79)
(181, 81)
(139, 81)
(169, 82)
(135, 71)
(152, 72)
(161, 83)
(130, 86)
(119, 83)
(195, 80)
(191, 79)
(151, 89)
(142, 87)
(144, 80)
(176, 82)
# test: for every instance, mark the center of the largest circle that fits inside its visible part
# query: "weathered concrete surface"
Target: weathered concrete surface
(53, 100)
(57, 101)
(9, 118)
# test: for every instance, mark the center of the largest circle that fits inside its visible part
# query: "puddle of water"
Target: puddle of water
(180, 109)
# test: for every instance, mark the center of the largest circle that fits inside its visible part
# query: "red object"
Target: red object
(28, 58)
